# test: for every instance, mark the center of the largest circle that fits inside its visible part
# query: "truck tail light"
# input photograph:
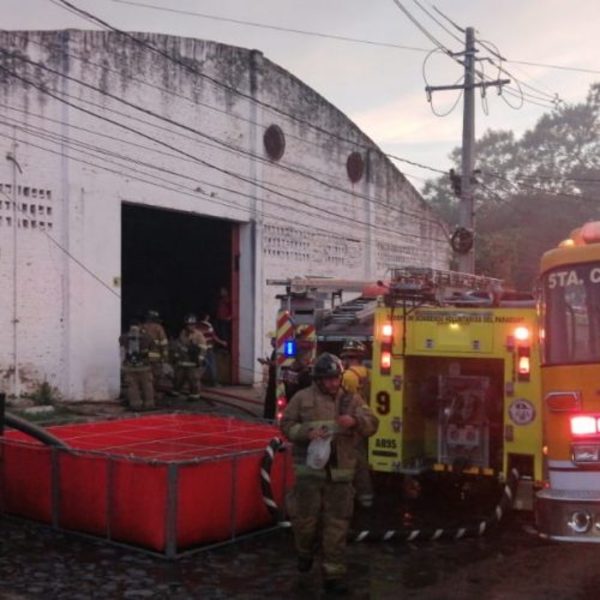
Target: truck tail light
(523, 364)
(387, 331)
(584, 425)
(563, 401)
(385, 362)
(522, 333)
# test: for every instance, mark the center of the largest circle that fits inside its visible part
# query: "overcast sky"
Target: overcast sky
(380, 88)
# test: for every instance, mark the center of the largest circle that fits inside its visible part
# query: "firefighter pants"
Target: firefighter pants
(157, 374)
(321, 508)
(139, 387)
(191, 376)
(362, 476)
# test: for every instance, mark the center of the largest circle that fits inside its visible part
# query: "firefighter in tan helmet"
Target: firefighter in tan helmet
(323, 423)
(158, 353)
(356, 380)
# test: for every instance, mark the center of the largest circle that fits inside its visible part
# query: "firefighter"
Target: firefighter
(205, 327)
(270, 402)
(356, 380)
(190, 352)
(158, 353)
(137, 375)
(323, 422)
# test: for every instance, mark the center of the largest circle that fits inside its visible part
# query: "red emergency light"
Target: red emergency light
(385, 362)
(585, 425)
(387, 330)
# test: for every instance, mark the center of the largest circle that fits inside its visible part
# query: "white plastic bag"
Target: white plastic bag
(318, 452)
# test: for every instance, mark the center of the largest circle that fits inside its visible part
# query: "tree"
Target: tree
(531, 192)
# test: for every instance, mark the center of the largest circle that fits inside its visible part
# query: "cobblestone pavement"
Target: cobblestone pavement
(507, 564)
(37, 562)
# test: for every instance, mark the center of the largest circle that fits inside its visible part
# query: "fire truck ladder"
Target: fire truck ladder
(423, 284)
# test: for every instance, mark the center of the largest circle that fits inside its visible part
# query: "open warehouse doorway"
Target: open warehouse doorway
(177, 263)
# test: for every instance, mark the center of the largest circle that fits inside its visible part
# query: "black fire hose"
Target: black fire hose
(275, 445)
(33, 430)
(473, 529)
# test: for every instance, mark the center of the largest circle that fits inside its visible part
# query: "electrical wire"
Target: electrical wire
(427, 86)
(438, 22)
(341, 38)
(345, 38)
(193, 193)
(63, 249)
(195, 131)
(188, 67)
(439, 12)
(208, 106)
(170, 155)
(423, 29)
(196, 158)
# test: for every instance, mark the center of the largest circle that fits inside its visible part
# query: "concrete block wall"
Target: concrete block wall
(300, 215)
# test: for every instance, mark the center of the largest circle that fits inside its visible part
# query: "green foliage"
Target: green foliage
(531, 192)
(45, 394)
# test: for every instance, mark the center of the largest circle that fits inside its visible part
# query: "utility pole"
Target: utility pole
(463, 238)
(12, 157)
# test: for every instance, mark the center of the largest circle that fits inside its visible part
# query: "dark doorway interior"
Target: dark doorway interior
(173, 262)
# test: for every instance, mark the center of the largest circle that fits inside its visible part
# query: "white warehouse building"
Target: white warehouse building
(148, 171)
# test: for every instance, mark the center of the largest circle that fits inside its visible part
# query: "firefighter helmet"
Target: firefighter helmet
(152, 315)
(190, 319)
(353, 348)
(327, 365)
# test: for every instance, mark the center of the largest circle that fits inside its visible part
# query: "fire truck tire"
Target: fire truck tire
(33, 430)
(275, 445)
(472, 529)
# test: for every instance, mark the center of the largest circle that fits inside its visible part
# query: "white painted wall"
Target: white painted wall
(300, 216)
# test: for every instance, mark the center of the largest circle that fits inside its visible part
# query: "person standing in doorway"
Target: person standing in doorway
(158, 353)
(211, 337)
(270, 406)
(224, 315)
(137, 376)
(356, 380)
(191, 350)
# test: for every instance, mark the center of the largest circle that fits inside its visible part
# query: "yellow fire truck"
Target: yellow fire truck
(568, 508)
(455, 379)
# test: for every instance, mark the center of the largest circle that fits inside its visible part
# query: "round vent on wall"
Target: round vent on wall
(355, 167)
(274, 142)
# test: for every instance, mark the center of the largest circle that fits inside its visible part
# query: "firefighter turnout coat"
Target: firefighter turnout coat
(312, 409)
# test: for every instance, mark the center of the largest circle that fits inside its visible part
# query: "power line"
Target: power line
(211, 107)
(184, 153)
(541, 190)
(185, 65)
(349, 39)
(439, 12)
(193, 193)
(63, 249)
(423, 29)
(200, 133)
(73, 141)
(560, 67)
(341, 38)
(437, 21)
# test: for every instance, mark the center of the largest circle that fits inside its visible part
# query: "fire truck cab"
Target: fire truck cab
(455, 381)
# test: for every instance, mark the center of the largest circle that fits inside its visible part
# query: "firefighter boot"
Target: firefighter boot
(305, 563)
(335, 587)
